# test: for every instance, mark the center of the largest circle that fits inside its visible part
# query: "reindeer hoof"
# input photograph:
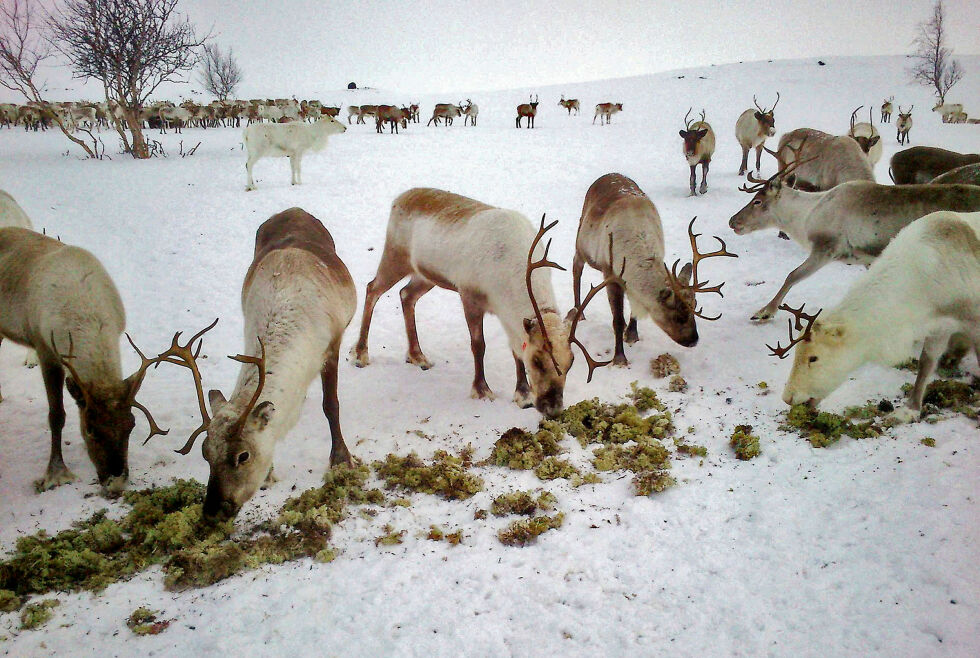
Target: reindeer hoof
(54, 478)
(31, 359)
(620, 361)
(418, 360)
(482, 392)
(342, 458)
(763, 315)
(703, 189)
(692, 193)
(901, 416)
(524, 400)
(359, 357)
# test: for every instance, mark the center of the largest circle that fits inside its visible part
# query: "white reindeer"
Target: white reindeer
(620, 235)
(59, 300)
(924, 286)
(605, 111)
(867, 136)
(851, 223)
(946, 110)
(820, 160)
(287, 140)
(298, 298)
(443, 239)
(470, 111)
(752, 128)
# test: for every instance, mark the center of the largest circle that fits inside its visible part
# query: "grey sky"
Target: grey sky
(307, 47)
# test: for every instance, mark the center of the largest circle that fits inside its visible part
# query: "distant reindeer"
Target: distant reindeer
(886, 110)
(604, 111)
(570, 104)
(867, 137)
(752, 129)
(904, 124)
(620, 234)
(297, 298)
(699, 146)
(470, 112)
(391, 115)
(946, 110)
(445, 111)
(441, 239)
(287, 140)
(925, 286)
(529, 110)
(60, 301)
(366, 111)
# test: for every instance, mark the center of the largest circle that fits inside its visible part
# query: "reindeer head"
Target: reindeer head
(905, 115)
(758, 213)
(533, 103)
(866, 142)
(765, 117)
(824, 357)
(692, 137)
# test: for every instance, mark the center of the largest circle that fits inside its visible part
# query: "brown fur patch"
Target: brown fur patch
(439, 204)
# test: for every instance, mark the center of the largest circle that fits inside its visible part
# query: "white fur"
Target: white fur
(11, 214)
(926, 284)
(289, 140)
(605, 111)
(836, 159)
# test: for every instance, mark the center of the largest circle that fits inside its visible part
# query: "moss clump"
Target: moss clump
(452, 538)
(552, 468)
(951, 394)
(523, 503)
(521, 450)
(9, 601)
(929, 442)
(525, 531)
(35, 615)
(645, 399)
(649, 482)
(646, 458)
(446, 476)
(144, 621)
(592, 421)
(823, 428)
(391, 537)
(745, 444)
(677, 384)
(664, 365)
(690, 449)
(315, 510)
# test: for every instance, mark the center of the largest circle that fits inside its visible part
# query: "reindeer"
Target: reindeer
(287, 140)
(886, 110)
(392, 116)
(60, 301)
(471, 111)
(441, 239)
(297, 299)
(446, 111)
(616, 211)
(967, 174)
(366, 111)
(352, 111)
(570, 104)
(867, 137)
(851, 223)
(751, 130)
(922, 164)
(821, 160)
(699, 146)
(529, 110)
(605, 111)
(946, 110)
(904, 125)
(924, 286)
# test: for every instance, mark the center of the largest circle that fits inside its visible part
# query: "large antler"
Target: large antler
(259, 362)
(757, 104)
(137, 381)
(66, 361)
(761, 184)
(854, 116)
(580, 309)
(695, 285)
(800, 316)
(687, 122)
(186, 356)
(533, 265)
(776, 103)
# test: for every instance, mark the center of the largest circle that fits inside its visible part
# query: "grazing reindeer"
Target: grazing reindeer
(617, 212)
(472, 110)
(886, 110)
(851, 223)
(946, 110)
(867, 137)
(298, 299)
(752, 129)
(413, 110)
(392, 116)
(486, 255)
(605, 111)
(699, 146)
(60, 301)
(446, 111)
(824, 160)
(570, 104)
(924, 286)
(904, 125)
(922, 164)
(529, 110)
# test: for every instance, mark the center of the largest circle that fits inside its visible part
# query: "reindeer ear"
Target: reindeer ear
(682, 133)
(702, 133)
(74, 390)
(873, 140)
(685, 275)
(758, 115)
(217, 400)
(529, 325)
(263, 412)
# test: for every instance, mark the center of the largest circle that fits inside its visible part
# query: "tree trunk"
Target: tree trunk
(139, 148)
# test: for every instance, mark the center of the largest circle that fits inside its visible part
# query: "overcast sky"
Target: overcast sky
(308, 47)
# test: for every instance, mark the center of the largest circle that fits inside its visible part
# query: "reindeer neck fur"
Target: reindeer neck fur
(792, 209)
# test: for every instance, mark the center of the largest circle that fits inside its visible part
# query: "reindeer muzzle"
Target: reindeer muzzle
(217, 508)
(551, 403)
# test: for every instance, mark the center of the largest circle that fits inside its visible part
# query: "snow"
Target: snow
(865, 548)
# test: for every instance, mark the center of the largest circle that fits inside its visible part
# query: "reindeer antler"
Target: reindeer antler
(687, 122)
(66, 362)
(702, 115)
(580, 309)
(185, 356)
(259, 362)
(854, 116)
(533, 265)
(757, 104)
(760, 184)
(695, 285)
(135, 387)
(800, 316)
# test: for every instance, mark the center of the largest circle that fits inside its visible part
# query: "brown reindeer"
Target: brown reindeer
(391, 115)
(570, 104)
(699, 146)
(529, 110)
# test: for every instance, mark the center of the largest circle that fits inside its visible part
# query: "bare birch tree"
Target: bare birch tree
(933, 64)
(220, 73)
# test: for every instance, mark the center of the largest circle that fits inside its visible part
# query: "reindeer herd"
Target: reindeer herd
(920, 238)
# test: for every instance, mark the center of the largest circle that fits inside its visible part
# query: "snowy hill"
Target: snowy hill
(864, 548)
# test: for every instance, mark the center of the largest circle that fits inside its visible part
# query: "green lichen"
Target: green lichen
(745, 444)
(929, 442)
(35, 615)
(690, 449)
(646, 458)
(645, 399)
(526, 531)
(552, 468)
(592, 421)
(648, 482)
(391, 537)
(445, 476)
(824, 428)
(677, 384)
(9, 601)
(521, 450)
(524, 503)
(144, 621)
(664, 365)
(438, 534)
(951, 394)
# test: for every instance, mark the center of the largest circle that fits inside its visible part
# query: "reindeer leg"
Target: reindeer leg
(632, 334)
(615, 294)
(704, 178)
(339, 454)
(745, 161)
(410, 294)
(522, 395)
(250, 185)
(758, 158)
(694, 180)
(392, 269)
(54, 385)
(932, 349)
(817, 259)
(474, 312)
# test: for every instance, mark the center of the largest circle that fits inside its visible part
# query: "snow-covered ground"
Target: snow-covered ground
(865, 548)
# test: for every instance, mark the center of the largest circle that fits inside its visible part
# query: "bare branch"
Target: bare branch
(932, 64)
(220, 73)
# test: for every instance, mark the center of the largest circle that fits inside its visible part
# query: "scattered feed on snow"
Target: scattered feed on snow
(35, 615)
(525, 531)
(960, 397)
(520, 450)
(446, 476)
(438, 534)
(664, 365)
(677, 384)
(745, 444)
(523, 503)
(144, 621)
(391, 537)
(824, 428)
(9, 601)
